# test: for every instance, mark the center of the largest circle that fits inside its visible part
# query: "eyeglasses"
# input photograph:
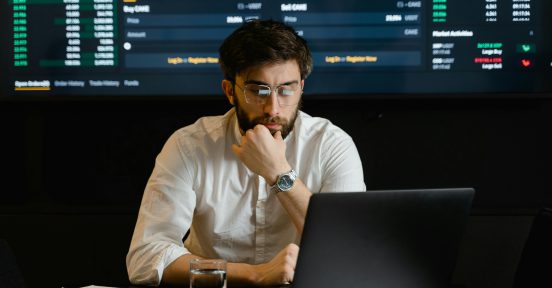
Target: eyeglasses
(258, 94)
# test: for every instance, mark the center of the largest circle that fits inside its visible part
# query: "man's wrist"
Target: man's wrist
(271, 179)
(240, 274)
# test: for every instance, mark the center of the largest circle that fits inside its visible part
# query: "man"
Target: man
(241, 182)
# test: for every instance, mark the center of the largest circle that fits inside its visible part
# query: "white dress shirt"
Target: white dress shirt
(199, 184)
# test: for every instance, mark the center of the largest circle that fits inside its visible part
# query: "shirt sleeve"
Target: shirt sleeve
(165, 215)
(341, 165)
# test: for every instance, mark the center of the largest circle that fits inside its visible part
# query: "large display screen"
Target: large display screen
(438, 48)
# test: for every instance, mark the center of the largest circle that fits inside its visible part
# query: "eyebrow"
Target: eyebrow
(266, 84)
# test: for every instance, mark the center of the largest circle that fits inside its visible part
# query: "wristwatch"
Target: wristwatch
(285, 181)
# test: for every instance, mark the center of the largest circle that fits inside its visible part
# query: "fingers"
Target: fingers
(281, 269)
(291, 252)
(255, 134)
(293, 249)
(261, 131)
(260, 127)
(262, 153)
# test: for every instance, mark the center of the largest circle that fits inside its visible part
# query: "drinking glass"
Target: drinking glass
(208, 273)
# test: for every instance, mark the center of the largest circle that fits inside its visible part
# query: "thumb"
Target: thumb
(236, 149)
(278, 135)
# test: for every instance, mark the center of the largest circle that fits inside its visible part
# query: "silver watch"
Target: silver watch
(285, 181)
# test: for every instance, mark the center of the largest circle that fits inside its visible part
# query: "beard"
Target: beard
(246, 124)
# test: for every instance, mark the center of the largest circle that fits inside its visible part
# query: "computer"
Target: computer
(382, 239)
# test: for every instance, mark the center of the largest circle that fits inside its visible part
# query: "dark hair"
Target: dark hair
(261, 42)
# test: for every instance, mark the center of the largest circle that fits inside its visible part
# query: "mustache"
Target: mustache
(269, 120)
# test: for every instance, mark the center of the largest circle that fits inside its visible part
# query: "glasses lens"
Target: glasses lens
(286, 94)
(285, 91)
(255, 93)
(262, 91)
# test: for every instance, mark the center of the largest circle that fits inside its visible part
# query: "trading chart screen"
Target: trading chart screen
(81, 48)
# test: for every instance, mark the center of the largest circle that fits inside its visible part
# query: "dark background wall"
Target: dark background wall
(72, 173)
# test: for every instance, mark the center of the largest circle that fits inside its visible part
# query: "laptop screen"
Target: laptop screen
(388, 238)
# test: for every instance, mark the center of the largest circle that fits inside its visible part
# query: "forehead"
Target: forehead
(273, 73)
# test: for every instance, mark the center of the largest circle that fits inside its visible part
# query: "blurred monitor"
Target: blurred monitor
(361, 49)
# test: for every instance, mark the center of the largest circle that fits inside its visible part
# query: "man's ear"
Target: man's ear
(228, 89)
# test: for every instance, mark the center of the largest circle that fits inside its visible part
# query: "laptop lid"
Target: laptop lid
(393, 238)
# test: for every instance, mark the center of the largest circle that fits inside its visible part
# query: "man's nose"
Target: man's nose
(272, 106)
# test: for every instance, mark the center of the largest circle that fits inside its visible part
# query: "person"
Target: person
(240, 182)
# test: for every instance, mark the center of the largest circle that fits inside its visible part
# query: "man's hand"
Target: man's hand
(263, 153)
(281, 269)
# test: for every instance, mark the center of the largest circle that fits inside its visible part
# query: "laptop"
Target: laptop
(383, 239)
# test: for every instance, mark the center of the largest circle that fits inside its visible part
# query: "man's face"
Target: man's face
(271, 114)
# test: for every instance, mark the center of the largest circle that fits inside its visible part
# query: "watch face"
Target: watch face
(285, 182)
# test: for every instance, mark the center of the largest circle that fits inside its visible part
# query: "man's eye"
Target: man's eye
(286, 92)
(263, 92)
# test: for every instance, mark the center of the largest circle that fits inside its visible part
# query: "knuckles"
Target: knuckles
(249, 133)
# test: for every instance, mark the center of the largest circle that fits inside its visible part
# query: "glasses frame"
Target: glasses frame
(262, 100)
